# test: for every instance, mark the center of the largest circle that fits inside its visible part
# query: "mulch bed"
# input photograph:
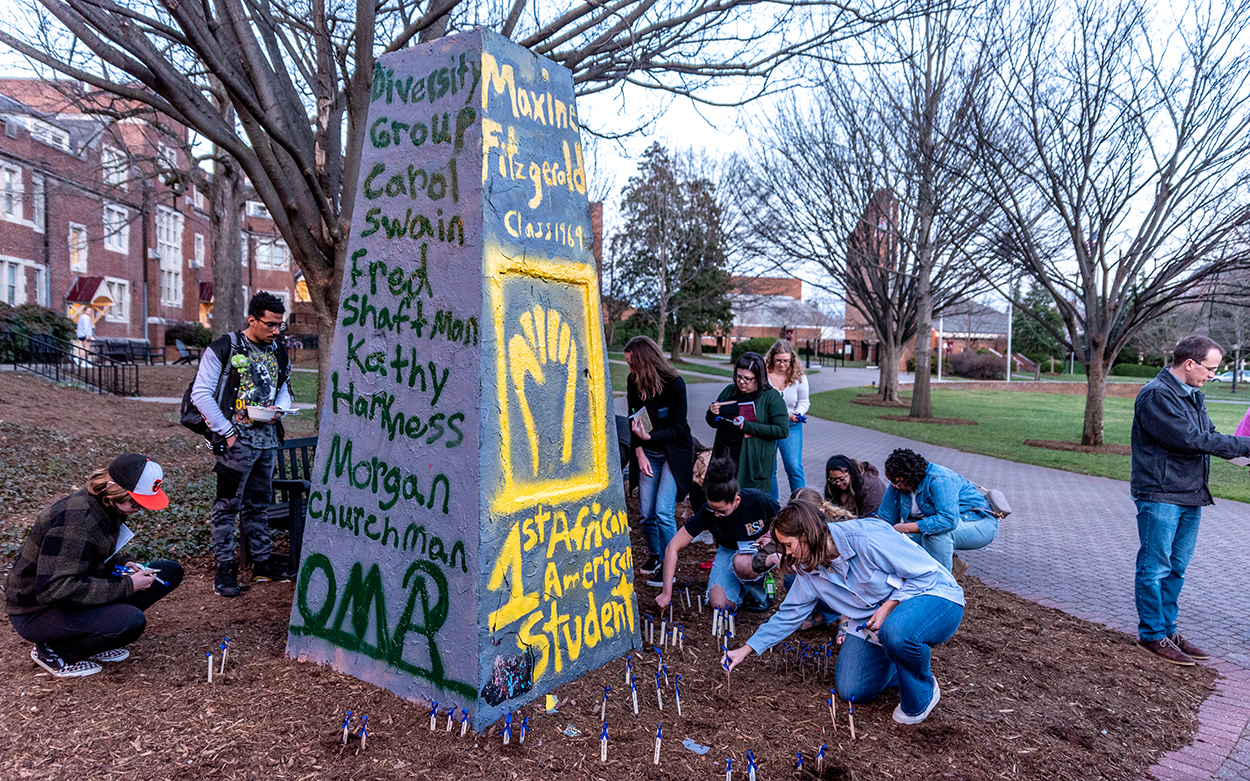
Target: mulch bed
(938, 421)
(876, 401)
(1109, 448)
(1027, 691)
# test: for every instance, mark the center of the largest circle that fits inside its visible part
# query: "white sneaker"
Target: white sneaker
(47, 659)
(903, 718)
(106, 657)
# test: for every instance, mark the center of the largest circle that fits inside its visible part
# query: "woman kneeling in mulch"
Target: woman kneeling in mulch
(71, 591)
(898, 601)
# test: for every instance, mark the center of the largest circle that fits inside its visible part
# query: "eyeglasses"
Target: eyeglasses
(744, 379)
(720, 514)
(781, 360)
(1210, 369)
(278, 326)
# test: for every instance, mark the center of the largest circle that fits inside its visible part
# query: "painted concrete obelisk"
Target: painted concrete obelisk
(466, 539)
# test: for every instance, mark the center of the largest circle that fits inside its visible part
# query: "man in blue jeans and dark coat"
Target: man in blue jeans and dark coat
(1173, 441)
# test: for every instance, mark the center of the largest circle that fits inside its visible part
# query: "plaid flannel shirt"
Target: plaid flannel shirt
(67, 559)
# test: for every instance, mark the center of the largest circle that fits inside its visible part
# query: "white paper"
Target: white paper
(1240, 461)
(124, 535)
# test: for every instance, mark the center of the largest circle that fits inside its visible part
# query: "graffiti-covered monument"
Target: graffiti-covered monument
(466, 538)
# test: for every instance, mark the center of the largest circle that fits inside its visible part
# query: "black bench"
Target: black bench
(291, 485)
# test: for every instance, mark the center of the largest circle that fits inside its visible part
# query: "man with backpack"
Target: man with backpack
(244, 370)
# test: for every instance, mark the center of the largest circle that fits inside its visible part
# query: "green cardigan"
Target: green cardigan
(758, 459)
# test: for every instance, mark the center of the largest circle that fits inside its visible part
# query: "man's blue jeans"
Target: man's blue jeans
(865, 670)
(1168, 534)
(657, 501)
(791, 450)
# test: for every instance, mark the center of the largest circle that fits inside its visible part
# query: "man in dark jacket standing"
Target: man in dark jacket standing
(238, 373)
(1173, 441)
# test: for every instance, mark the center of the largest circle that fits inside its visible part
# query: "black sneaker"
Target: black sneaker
(226, 581)
(651, 566)
(753, 605)
(657, 580)
(46, 658)
(274, 569)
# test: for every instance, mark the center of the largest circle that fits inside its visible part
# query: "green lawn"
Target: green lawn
(1007, 418)
(304, 386)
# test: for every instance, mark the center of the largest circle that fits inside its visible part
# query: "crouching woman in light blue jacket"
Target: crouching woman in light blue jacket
(898, 603)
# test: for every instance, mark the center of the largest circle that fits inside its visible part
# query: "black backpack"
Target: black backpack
(189, 414)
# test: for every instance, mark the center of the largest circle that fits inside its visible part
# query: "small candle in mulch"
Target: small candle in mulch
(750, 766)
(603, 743)
(364, 731)
(604, 716)
(820, 760)
(677, 692)
(433, 715)
(658, 698)
(209, 655)
(507, 728)
(451, 716)
(525, 728)
(347, 719)
(851, 715)
(729, 769)
(659, 733)
(464, 721)
(633, 690)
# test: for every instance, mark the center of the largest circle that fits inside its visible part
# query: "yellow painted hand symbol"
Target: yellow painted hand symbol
(544, 338)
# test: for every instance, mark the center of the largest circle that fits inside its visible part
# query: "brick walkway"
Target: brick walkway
(1070, 544)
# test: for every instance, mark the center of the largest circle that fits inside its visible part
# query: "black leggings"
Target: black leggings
(76, 634)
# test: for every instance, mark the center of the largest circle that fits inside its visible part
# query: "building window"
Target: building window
(271, 254)
(119, 291)
(301, 291)
(49, 134)
(243, 245)
(113, 166)
(42, 296)
(37, 203)
(116, 228)
(168, 157)
(257, 209)
(10, 284)
(198, 260)
(11, 192)
(169, 246)
(77, 248)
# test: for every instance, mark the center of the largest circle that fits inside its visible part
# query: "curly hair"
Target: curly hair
(906, 466)
(795, 372)
(264, 302)
(648, 366)
(805, 522)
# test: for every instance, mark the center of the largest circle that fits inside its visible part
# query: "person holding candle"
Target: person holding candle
(737, 518)
(749, 417)
(71, 591)
(661, 446)
(785, 374)
(881, 581)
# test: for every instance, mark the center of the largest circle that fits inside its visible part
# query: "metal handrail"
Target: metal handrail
(64, 361)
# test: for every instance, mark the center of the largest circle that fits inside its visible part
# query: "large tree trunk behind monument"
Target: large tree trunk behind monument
(226, 199)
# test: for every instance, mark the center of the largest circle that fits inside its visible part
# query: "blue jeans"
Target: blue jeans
(975, 531)
(865, 670)
(1168, 534)
(791, 449)
(657, 501)
(723, 575)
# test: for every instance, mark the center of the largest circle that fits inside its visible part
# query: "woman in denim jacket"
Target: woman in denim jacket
(896, 601)
(941, 510)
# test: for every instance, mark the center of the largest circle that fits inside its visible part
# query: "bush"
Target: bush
(29, 319)
(933, 363)
(759, 344)
(191, 334)
(1133, 370)
(977, 366)
(637, 324)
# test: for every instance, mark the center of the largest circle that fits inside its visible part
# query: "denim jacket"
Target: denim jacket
(943, 498)
(874, 564)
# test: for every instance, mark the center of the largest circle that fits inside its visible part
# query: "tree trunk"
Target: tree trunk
(325, 302)
(696, 343)
(226, 201)
(1095, 394)
(675, 347)
(921, 398)
(889, 371)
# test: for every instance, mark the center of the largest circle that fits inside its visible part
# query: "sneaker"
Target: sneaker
(651, 566)
(46, 658)
(1167, 650)
(903, 718)
(108, 657)
(226, 581)
(752, 605)
(273, 569)
(1188, 648)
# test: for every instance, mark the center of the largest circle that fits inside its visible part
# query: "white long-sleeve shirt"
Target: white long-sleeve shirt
(796, 396)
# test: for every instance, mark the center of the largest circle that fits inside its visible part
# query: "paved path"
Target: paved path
(1071, 544)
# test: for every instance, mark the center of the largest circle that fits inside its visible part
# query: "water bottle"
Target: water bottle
(770, 585)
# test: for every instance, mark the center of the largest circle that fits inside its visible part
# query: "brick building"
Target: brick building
(773, 307)
(92, 215)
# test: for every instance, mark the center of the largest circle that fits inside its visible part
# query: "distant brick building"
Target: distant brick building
(91, 216)
(773, 307)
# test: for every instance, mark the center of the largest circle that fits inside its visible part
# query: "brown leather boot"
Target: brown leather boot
(1188, 648)
(1167, 650)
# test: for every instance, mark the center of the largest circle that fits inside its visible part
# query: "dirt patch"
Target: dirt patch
(1027, 692)
(938, 421)
(874, 401)
(1076, 447)
(1123, 390)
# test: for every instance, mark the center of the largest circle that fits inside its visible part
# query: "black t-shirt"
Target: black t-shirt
(753, 517)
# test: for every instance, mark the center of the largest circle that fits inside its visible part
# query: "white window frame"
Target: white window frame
(116, 221)
(78, 247)
(257, 209)
(244, 246)
(272, 253)
(201, 249)
(169, 225)
(168, 155)
(113, 166)
(11, 190)
(51, 135)
(119, 291)
(12, 283)
(38, 199)
(42, 294)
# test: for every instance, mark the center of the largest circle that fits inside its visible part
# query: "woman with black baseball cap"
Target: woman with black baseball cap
(71, 592)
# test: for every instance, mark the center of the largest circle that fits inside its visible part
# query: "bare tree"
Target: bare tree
(1120, 170)
(298, 76)
(870, 184)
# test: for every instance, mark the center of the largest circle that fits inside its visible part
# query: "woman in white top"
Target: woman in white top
(785, 373)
